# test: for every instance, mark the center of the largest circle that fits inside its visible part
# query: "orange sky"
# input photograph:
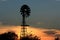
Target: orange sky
(35, 31)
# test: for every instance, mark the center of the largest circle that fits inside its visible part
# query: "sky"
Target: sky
(41, 33)
(44, 13)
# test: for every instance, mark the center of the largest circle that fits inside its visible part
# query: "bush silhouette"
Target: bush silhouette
(8, 36)
(30, 37)
(57, 38)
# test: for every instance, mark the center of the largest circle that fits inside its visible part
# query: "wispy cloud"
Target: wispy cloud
(50, 32)
(39, 23)
(1, 23)
(57, 0)
(3, 0)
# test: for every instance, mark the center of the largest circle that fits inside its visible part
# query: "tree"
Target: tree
(57, 38)
(8, 36)
(30, 37)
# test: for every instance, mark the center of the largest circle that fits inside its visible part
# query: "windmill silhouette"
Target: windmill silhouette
(25, 12)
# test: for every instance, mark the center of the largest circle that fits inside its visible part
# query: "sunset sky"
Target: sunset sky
(44, 17)
(44, 34)
(44, 13)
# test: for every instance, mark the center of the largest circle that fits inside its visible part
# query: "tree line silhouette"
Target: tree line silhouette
(30, 37)
(13, 36)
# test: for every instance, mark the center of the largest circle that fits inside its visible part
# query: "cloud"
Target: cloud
(57, 35)
(50, 32)
(57, 0)
(40, 23)
(1, 23)
(3, 0)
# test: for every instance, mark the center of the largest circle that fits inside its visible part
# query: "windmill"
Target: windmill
(25, 12)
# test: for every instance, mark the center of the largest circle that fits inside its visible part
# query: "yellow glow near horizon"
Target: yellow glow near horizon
(30, 30)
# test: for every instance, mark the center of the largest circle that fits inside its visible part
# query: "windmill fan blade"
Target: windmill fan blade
(25, 10)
